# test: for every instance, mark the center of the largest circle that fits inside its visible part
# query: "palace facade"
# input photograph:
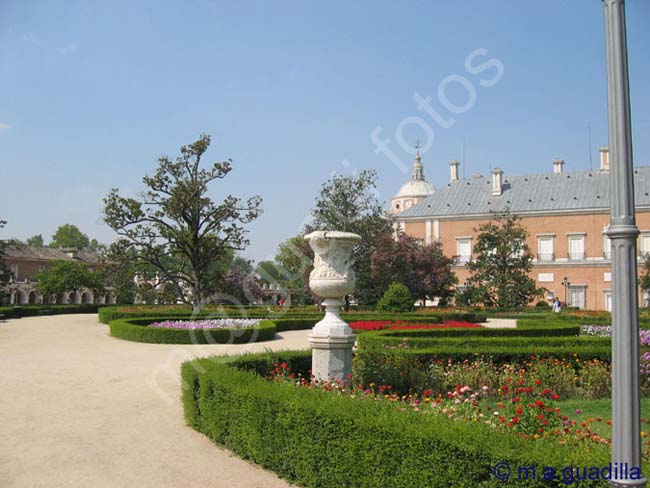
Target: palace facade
(566, 214)
(25, 262)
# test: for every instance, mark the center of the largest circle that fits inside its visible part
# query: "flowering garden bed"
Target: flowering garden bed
(373, 325)
(217, 331)
(333, 435)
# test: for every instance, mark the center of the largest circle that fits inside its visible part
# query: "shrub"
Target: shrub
(136, 330)
(41, 309)
(323, 440)
(396, 299)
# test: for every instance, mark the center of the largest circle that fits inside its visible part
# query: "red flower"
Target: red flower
(555, 396)
(539, 403)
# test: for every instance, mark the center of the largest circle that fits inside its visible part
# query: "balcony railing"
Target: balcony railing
(545, 257)
(576, 256)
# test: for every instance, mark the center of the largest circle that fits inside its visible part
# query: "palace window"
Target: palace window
(545, 248)
(464, 249)
(644, 245)
(576, 247)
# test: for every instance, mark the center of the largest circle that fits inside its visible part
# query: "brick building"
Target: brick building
(24, 262)
(566, 214)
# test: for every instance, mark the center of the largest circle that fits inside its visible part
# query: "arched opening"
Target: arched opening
(20, 297)
(33, 298)
(71, 298)
(86, 297)
(111, 299)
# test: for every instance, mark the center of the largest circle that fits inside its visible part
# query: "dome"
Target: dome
(416, 188)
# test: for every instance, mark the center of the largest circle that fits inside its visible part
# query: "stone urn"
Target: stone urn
(332, 279)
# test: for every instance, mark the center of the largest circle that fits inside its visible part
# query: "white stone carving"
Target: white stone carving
(332, 279)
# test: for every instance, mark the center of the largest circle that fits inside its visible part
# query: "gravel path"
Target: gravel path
(80, 408)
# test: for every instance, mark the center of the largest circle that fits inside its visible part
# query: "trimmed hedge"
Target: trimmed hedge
(324, 440)
(426, 337)
(136, 330)
(107, 314)
(36, 310)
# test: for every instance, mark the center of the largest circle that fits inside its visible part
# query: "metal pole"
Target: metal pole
(626, 406)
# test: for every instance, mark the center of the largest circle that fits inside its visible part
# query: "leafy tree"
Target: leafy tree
(241, 283)
(65, 276)
(5, 274)
(644, 282)
(396, 299)
(350, 204)
(423, 269)
(68, 235)
(36, 241)
(178, 229)
(500, 272)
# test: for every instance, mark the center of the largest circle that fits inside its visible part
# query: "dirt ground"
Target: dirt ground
(79, 408)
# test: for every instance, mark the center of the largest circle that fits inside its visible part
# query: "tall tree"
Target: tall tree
(65, 276)
(36, 241)
(423, 269)
(500, 273)
(644, 281)
(68, 235)
(350, 204)
(5, 274)
(178, 229)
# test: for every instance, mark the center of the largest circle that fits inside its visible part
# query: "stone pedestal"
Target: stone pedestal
(332, 339)
(331, 356)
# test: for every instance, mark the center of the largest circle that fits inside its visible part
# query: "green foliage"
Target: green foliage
(5, 274)
(36, 241)
(68, 235)
(36, 310)
(136, 330)
(349, 204)
(63, 276)
(295, 431)
(396, 299)
(644, 280)
(178, 229)
(500, 272)
(423, 269)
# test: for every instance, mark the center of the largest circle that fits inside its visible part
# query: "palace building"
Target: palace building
(566, 214)
(25, 262)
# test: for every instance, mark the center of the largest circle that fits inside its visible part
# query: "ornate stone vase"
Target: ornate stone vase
(332, 279)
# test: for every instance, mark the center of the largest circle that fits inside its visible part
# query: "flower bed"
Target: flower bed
(606, 331)
(206, 324)
(140, 330)
(378, 439)
(374, 325)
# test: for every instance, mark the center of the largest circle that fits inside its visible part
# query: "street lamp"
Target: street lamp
(565, 283)
(626, 403)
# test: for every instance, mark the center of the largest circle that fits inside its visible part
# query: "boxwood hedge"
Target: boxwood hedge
(136, 330)
(46, 309)
(316, 439)
(108, 314)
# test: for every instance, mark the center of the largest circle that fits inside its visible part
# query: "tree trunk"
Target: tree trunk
(196, 299)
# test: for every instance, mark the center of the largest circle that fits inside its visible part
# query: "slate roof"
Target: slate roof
(49, 254)
(578, 190)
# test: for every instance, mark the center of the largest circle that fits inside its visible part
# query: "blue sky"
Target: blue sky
(94, 91)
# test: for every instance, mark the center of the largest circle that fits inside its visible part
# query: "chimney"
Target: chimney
(453, 169)
(497, 182)
(558, 165)
(604, 158)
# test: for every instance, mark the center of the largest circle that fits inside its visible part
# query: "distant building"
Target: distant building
(25, 262)
(566, 214)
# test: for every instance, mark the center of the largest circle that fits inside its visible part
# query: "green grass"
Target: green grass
(594, 409)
